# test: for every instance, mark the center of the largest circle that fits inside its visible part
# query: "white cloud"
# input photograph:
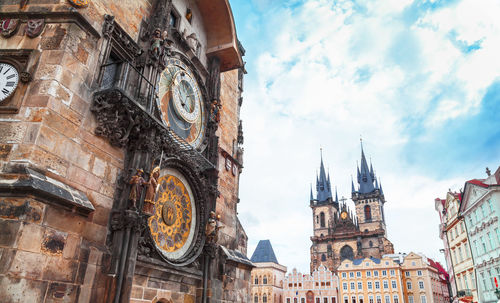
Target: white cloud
(328, 73)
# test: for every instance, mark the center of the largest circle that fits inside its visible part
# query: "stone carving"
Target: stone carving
(34, 27)
(112, 30)
(9, 27)
(25, 77)
(137, 181)
(192, 41)
(212, 228)
(79, 3)
(215, 107)
(151, 189)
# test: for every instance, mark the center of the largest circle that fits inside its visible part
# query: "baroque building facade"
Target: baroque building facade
(480, 209)
(338, 232)
(267, 275)
(321, 286)
(440, 207)
(370, 280)
(460, 254)
(120, 152)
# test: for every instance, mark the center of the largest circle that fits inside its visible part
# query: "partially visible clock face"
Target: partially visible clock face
(9, 78)
(343, 215)
(173, 222)
(181, 102)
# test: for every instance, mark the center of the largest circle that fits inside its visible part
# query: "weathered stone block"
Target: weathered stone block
(95, 233)
(6, 257)
(12, 132)
(137, 292)
(30, 237)
(71, 249)
(59, 269)
(27, 264)
(53, 242)
(84, 178)
(62, 220)
(61, 292)
(149, 293)
(9, 231)
(14, 290)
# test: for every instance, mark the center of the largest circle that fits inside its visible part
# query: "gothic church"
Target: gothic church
(340, 233)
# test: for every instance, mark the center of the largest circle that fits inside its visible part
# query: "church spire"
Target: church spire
(365, 175)
(323, 186)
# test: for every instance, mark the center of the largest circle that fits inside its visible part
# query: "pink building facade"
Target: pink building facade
(319, 287)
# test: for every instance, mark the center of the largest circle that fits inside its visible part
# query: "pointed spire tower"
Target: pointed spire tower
(368, 198)
(323, 185)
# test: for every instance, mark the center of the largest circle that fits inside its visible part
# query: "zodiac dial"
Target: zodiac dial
(173, 222)
(181, 103)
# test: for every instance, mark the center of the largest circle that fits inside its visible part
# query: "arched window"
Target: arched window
(322, 219)
(256, 280)
(317, 219)
(346, 252)
(323, 257)
(256, 299)
(264, 281)
(371, 244)
(264, 298)
(368, 213)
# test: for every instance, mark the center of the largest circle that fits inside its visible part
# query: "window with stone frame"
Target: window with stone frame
(394, 284)
(396, 299)
(264, 298)
(370, 299)
(408, 284)
(368, 213)
(386, 284)
(377, 285)
(379, 299)
(369, 285)
(256, 299)
(410, 299)
(264, 280)
(302, 300)
(421, 284)
(256, 280)
(423, 299)
(419, 273)
(322, 219)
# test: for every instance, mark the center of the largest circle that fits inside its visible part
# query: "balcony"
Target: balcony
(127, 99)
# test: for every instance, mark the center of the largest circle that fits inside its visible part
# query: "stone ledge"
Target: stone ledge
(70, 16)
(237, 257)
(22, 181)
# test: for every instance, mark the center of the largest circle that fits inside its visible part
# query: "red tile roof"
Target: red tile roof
(478, 182)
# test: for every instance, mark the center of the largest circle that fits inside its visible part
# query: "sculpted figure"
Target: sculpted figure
(152, 186)
(137, 181)
(212, 228)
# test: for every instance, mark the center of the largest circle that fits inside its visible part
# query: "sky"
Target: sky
(418, 81)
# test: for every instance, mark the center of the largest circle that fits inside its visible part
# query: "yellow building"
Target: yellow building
(458, 242)
(422, 281)
(267, 275)
(370, 280)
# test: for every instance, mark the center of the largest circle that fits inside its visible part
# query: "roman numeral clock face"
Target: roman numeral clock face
(9, 78)
(181, 102)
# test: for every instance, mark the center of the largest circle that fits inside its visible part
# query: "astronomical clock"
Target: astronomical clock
(181, 103)
(175, 223)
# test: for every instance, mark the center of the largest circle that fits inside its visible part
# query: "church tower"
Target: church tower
(338, 232)
(323, 206)
(369, 202)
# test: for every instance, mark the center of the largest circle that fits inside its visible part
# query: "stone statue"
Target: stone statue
(152, 187)
(137, 181)
(212, 228)
(215, 111)
(156, 44)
